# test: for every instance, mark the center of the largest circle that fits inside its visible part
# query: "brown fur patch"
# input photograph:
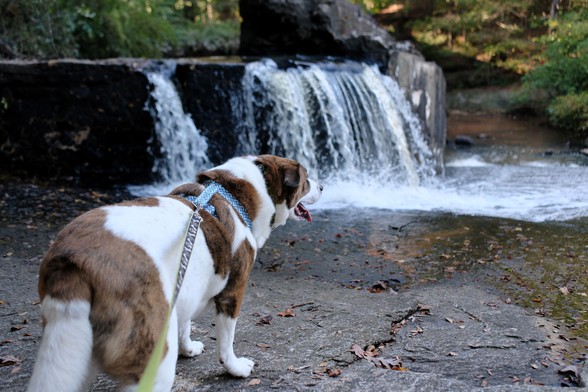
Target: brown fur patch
(120, 281)
(287, 180)
(230, 299)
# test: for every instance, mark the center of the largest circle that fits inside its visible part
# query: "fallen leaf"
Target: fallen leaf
(370, 355)
(265, 320)
(379, 287)
(564, 290)
(297, 369)
(253, 382)
(425, 309)
(287, 313)
(452, 321)
(9, 360)
(263, 345)
(15, 370)
(333, 372)
(417, 331)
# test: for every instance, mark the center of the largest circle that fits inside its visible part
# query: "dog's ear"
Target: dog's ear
(292, 177)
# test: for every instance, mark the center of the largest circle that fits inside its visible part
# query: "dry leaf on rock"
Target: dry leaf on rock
(371, 353)
(9, 360)
(287, 313)
(265, 320)
(253, 382)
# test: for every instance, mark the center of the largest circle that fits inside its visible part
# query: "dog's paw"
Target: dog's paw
(192, 349)
(240, 367)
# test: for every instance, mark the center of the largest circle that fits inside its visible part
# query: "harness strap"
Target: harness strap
(213, 187)
(201, 202)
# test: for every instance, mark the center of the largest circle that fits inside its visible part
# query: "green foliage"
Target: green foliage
(566, 57)
(114, 28)
(130, 28)
(491, 31)
(564, 75)
(570, 112)
(36, 28)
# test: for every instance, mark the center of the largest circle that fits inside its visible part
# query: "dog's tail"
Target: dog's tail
(64, 361)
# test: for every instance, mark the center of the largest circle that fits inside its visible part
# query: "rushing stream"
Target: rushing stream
(352, 127)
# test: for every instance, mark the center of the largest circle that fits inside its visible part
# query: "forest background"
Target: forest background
(540, 44)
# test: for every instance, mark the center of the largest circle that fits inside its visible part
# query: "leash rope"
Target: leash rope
(191, 232)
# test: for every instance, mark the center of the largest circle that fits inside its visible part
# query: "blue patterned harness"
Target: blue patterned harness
(212, 187)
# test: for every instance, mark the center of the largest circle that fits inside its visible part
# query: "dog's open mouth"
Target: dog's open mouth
(302, 213)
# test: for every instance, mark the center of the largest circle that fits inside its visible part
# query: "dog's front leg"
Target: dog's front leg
(225, 332)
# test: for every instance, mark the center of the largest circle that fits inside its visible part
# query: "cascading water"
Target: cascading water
(182, 149)
(337, 119)
(354, 129)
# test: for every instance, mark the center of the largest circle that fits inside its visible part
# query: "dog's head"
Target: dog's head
(289, 187)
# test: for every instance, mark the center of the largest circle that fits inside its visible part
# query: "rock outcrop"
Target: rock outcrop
(309, 27)
(82, 120)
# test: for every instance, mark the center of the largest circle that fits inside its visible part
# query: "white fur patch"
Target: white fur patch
(158, 230)
(64, 362)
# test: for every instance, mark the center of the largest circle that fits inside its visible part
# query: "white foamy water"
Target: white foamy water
(534, 191)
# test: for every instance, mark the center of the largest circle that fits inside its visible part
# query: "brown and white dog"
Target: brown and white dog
(106, 283)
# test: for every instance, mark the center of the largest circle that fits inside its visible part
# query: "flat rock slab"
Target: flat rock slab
(301, 319)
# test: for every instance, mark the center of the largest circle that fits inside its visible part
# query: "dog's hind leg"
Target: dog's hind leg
(64, 362)
(188, 347)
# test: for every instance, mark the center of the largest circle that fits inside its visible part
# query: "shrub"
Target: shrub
(564, 75)
(115, 28)
(570, 112)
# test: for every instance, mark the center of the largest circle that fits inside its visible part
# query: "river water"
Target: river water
(513, 169)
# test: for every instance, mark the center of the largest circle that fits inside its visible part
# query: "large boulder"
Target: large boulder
(311, 27)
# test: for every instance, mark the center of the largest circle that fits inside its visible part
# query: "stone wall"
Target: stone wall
(77, 120)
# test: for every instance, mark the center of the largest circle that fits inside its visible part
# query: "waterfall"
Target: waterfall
(181, 147)
(338, 119)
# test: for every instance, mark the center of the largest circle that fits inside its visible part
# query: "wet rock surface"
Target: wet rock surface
(424, 299)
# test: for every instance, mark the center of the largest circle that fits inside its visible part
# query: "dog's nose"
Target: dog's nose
(321, 188)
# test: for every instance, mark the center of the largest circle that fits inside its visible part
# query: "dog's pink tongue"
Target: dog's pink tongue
(302, 212)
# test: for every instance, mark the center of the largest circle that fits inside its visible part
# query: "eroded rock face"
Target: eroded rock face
(81, 120)
(309, 27)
